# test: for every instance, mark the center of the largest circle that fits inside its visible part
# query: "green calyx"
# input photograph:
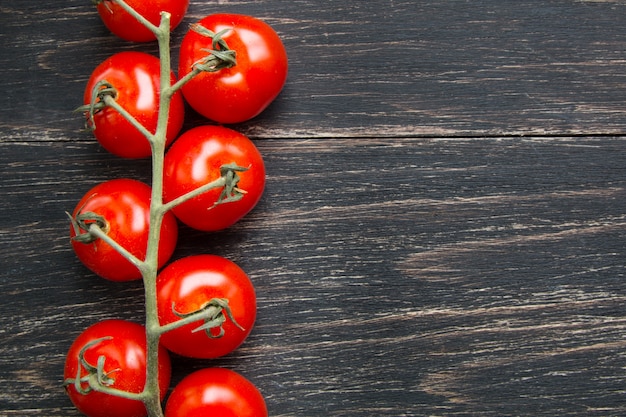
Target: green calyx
(220, 56)
(96, 375)
(101, 91)
(231, 193)
(83, 221)
(214, 313)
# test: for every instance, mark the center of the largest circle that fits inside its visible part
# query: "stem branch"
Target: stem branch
(97, 232)
(188, 77)
(218, 183)
(154, 29)
(110, 102)
(203, 314)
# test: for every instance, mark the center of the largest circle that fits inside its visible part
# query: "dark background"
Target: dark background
(443, 229)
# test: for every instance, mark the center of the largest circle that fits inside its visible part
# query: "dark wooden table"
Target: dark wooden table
(443, 230)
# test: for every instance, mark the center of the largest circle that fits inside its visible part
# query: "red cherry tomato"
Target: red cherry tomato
(195, 159)
(188, 285)
(135, 77)
(123, 346)
(241, 92)
(125, 205)
(122, 24)
(215, 392)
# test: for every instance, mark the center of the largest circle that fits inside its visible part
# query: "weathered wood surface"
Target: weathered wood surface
(443, 231)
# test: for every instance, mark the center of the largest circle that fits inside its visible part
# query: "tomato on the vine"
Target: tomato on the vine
(123, 209)
(195, 160)
(135, 78)
(215, 392)
(124, 25)
(209, 283)
(242, 91)
(122, 344)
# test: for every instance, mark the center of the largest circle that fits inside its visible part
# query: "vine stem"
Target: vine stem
(110, 102)
(149, 267)
(157, 211)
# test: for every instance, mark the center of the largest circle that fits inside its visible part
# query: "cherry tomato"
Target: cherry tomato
(122, 24)
(190, 284)
(124, 204)
(241, 92)
(123, 346)
(215, 392)
(195, 159)
(136, 79)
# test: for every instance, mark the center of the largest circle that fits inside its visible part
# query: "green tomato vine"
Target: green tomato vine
(216, 310)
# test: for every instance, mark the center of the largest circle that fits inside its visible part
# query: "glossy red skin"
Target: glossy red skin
(191, 282)
(239, 93)
(125, 204)
(126, 360)
(195, 159)
(136, 77)
(122, 24)
(215, 392)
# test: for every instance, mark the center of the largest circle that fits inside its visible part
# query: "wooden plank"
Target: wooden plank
(412, 255)
(376, 68)
(415, 276)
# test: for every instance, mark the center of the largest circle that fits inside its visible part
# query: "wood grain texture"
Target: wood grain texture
(404, 277)
(444, 225)
(375, 68)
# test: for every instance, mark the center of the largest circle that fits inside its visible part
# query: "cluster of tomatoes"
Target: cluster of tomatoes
(233, 67)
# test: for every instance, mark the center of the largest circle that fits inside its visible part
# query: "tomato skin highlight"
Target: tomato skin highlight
(195, 159)
(125, 204)
(136, 77)
(215, 392)
(236, 94)
(186, 285)
(125, 26)
(125, 362)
